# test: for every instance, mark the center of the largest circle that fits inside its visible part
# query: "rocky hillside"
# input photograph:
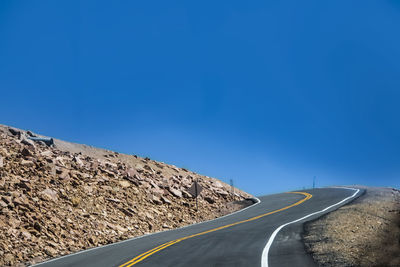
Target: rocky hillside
(61, 198)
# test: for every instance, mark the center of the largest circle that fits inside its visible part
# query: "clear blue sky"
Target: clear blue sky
(268, 93)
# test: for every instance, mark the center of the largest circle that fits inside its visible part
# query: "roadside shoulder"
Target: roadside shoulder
(365, 232)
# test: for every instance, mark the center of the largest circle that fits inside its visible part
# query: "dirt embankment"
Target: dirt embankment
(363, 233)
(62, 199)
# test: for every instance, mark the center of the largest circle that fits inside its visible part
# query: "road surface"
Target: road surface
(265, 234)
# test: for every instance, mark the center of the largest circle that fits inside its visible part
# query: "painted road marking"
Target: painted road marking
(144, 236)
(147, 254)
(264, 256)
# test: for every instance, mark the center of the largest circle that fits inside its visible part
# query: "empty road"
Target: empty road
(265, 234)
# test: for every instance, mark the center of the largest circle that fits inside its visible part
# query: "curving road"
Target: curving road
(265, 234)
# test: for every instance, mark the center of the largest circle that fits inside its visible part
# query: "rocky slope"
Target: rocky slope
(55, 200)
(363, 233)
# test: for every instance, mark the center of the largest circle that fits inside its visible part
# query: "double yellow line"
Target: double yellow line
(146, 254)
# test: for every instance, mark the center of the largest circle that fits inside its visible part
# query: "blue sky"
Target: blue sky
(267, 93)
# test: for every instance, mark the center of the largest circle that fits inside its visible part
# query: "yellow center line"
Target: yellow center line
(148, 253)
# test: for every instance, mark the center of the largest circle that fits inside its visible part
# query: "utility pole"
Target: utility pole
(313, 183)
(197, 193)
(232, 189)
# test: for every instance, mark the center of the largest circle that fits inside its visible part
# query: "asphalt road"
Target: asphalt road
(265, 234)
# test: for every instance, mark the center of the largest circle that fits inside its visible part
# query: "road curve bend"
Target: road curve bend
(267, 234)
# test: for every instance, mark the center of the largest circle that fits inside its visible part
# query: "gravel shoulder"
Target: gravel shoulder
(364, 233)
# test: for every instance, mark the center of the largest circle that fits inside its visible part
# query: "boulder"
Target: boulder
(157, 191)
(149, 215)
(222, 193)
(124, 184)
(166, 226)
(113, 200)
(155, 200)
(75, 201)
(27, 142)
(108, 172)
(26, 152)
(165, 200)
(88, 189)
(165, 183)
(26, 235)
(47, 153)
(9, 259)
(217, 184)
(133, 180)
(131, 172)
(139, 167)
(50, 251)
(14, 131)
(6, 199)
(175, 192)
(27, 163)
(147, 167)
(209, 199)
(55, 201)
(3, 204)
(186, 194)
(37, 226)
(78, 161)
(64, 175)
(49, 195)
(21, 201)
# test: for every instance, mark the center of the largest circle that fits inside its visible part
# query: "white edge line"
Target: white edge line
(264, 256)
(258, 201)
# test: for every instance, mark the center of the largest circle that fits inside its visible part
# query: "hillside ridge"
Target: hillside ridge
(62, 198)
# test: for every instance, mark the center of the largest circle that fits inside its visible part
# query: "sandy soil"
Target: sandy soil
(363, 233)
